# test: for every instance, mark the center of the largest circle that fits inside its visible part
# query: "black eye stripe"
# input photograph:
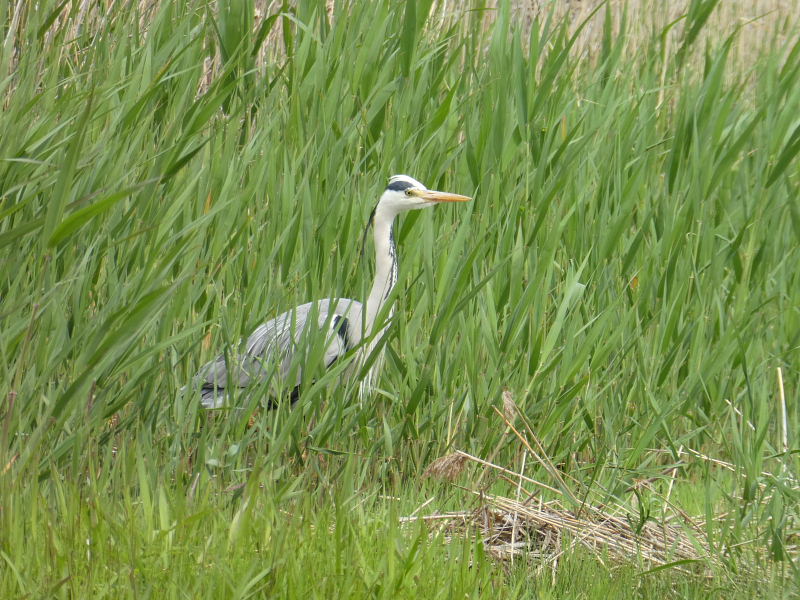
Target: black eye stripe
(399, 186)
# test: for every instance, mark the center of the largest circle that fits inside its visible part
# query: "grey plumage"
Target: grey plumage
(274, 357)
(266, 356)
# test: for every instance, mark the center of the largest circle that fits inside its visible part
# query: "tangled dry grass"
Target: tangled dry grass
(534, 530)
(539, 531)
(511, 529)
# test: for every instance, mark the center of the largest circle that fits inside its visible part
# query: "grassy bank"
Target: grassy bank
(172, 175)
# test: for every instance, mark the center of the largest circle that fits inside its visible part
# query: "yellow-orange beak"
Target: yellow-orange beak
(434, 196)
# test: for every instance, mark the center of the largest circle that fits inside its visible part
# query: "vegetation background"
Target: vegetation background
(174, 173)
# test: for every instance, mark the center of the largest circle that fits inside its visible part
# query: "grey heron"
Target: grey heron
(267, 355)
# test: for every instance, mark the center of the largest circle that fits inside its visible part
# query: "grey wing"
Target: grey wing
(269, 351)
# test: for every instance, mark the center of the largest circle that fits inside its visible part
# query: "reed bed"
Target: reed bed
(622, 294)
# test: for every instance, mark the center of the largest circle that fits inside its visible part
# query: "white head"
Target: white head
(406, 193)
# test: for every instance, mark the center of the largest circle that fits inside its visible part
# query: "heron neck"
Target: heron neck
(385, 266)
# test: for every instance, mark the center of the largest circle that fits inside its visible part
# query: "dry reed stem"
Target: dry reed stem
(485, 463)
(510, 410)
(545, 462)
(784, 416)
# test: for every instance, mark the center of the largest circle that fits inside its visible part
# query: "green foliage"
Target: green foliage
(627, 270)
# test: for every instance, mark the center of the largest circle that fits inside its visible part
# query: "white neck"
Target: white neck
(385, 266)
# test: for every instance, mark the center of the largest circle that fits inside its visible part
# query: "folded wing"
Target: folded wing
(265, 360)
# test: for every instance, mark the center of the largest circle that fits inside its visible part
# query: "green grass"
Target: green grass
(627, 270)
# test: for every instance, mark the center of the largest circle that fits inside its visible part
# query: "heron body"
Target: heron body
(267, 356)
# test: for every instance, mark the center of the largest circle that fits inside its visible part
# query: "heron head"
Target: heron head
(406, 193)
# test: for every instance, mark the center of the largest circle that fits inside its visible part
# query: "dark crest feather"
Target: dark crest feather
(399, 186)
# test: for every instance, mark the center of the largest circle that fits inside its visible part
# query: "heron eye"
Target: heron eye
(408, 191)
